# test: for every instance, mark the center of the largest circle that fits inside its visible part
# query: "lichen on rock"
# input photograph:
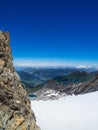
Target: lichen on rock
(15, 107)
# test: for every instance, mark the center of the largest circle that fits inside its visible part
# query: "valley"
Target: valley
(54, 83)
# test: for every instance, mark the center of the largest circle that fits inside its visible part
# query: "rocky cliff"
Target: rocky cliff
(15, 107)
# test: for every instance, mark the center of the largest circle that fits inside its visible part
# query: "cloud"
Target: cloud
(53, 63)
(30, 62)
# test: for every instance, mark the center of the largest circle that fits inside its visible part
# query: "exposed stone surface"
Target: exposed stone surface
(15, 107)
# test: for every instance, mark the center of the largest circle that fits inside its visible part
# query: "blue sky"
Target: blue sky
(64, 31)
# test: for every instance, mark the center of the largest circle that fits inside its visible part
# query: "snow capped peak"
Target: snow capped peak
(83, 66)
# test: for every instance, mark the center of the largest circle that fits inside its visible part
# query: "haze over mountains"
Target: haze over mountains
(35, 76)
(52, 83)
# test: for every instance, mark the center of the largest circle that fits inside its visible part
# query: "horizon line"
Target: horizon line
(53, 63)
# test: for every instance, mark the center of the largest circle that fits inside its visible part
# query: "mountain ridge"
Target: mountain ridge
(67, 88)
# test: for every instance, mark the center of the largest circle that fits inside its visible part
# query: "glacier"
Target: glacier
(68, 113)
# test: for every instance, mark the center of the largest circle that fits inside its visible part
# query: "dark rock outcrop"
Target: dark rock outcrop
(15, 107)
(88, 87)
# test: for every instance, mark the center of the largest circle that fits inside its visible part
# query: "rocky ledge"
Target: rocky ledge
(15, 107)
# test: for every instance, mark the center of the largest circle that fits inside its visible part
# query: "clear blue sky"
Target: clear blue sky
(52, 29)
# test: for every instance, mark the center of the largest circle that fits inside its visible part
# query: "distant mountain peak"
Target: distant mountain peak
(83, 66)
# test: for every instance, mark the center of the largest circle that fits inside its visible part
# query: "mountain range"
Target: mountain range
(53, 83)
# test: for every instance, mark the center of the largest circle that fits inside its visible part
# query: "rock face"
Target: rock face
(15, 107)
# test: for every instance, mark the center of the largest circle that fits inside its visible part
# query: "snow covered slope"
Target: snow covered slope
(68, 113)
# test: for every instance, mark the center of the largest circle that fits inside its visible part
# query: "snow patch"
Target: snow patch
(68, 113)
(83, 66)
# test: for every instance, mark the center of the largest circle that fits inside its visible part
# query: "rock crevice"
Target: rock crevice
(15, 107)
